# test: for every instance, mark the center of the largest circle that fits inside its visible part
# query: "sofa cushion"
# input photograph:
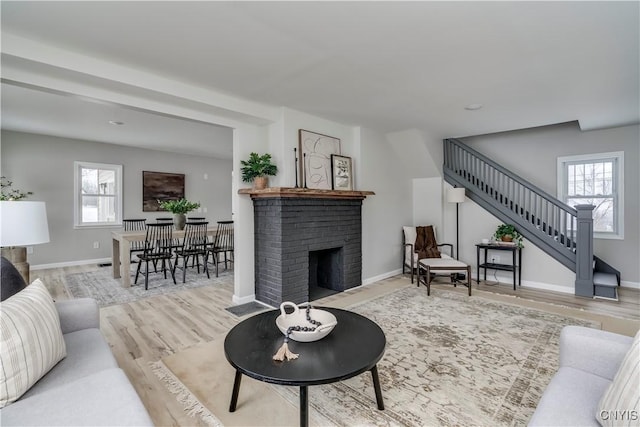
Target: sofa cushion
(87, 353)
(105, 398)
(592, 350)
(77, 314)
(31, 341)
(620, 404)
(11, 280)
(570, 399)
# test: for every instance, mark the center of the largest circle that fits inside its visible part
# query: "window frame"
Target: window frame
(78, 166)
(617, 158)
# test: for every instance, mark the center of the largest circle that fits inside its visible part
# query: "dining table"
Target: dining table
(121, 250)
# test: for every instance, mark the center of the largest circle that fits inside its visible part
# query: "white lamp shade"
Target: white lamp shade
(456, 195)
(23, 223)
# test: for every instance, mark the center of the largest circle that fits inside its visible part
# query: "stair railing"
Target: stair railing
(564, 232)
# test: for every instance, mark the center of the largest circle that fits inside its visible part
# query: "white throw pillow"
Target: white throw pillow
(31, 341)
(620, 404)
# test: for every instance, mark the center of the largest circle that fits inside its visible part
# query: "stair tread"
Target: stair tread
(605, 279)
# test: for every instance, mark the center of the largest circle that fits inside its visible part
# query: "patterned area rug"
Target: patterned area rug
(450, 360)
(101, 285)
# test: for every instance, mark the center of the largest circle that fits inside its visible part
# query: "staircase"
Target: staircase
(561, 231)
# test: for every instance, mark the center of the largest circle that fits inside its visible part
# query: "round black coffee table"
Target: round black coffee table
(354, 346)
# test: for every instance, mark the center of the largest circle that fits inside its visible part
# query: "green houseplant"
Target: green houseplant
(508, 233)
(179, 208)
(257, 169)
(7, 192)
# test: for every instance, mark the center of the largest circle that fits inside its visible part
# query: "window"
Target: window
(98, 194)
(595, 179)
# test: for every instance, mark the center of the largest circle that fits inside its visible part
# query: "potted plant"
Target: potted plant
(17, 255)
(179, 208)
(258, 169)
(508, 233)
(8, 193)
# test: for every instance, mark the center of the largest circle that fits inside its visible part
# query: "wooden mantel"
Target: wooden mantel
(279, 192)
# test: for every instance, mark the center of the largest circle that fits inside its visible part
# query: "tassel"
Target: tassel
(284, 353)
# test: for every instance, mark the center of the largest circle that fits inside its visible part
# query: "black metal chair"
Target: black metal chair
(135, 225)
(194, 245)
(156, 248)
(222, 244)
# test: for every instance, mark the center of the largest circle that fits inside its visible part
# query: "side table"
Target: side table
(515, 267)
(356, 345)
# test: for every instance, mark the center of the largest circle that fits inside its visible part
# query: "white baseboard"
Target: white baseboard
(627, 284)
(244, 300)
(71, 263)
(382, 276)
(549, 287)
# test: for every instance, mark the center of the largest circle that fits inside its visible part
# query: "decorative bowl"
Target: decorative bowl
(299, 318)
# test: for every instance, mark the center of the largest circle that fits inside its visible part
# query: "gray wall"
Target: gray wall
(533, 153)
(379, 169)
(44, 165)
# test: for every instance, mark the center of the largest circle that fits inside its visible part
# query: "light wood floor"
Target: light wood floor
(144, 331)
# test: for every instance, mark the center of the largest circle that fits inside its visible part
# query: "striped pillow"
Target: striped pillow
(620, 404)
(31, 341)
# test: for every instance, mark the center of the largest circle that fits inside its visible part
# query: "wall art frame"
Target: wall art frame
(160, 186)
(315, 158)
(341, 173)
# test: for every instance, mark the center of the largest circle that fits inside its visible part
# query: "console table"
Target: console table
(515, 267)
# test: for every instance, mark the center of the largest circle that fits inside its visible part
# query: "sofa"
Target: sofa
(597, 383)
(86, 387)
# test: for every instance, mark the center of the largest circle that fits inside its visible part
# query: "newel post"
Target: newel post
(584, 251)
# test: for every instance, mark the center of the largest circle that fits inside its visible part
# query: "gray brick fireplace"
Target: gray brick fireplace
(301, 237)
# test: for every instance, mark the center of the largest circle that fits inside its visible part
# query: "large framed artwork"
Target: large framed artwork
(160, 186)
(315, 155)
(341, 172)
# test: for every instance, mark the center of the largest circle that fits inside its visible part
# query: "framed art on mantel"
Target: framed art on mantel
(341, 172)
(315, 155)
(160, 186)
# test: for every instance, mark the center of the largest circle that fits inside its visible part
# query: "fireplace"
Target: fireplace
(325, 272)
(306, 239)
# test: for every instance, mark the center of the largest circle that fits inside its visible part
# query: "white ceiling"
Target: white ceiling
(389, 66)
(36, 111)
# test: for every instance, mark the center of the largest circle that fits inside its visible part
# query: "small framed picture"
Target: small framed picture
(341, 172)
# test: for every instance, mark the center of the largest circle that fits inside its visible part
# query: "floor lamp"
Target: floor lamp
(22, 224)
(456, 195)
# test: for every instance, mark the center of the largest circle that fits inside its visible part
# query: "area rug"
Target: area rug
(101, 285)
(450, 360)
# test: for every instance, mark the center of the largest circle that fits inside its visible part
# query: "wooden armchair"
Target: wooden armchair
(410, 257)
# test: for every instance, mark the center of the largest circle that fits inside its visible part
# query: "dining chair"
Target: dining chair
(157, 243)
(195, 219)
(194, 245)
(222, 244)
(176, 241)
(135, 225)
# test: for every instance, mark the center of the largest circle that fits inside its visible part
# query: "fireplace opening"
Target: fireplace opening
(325, 273)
